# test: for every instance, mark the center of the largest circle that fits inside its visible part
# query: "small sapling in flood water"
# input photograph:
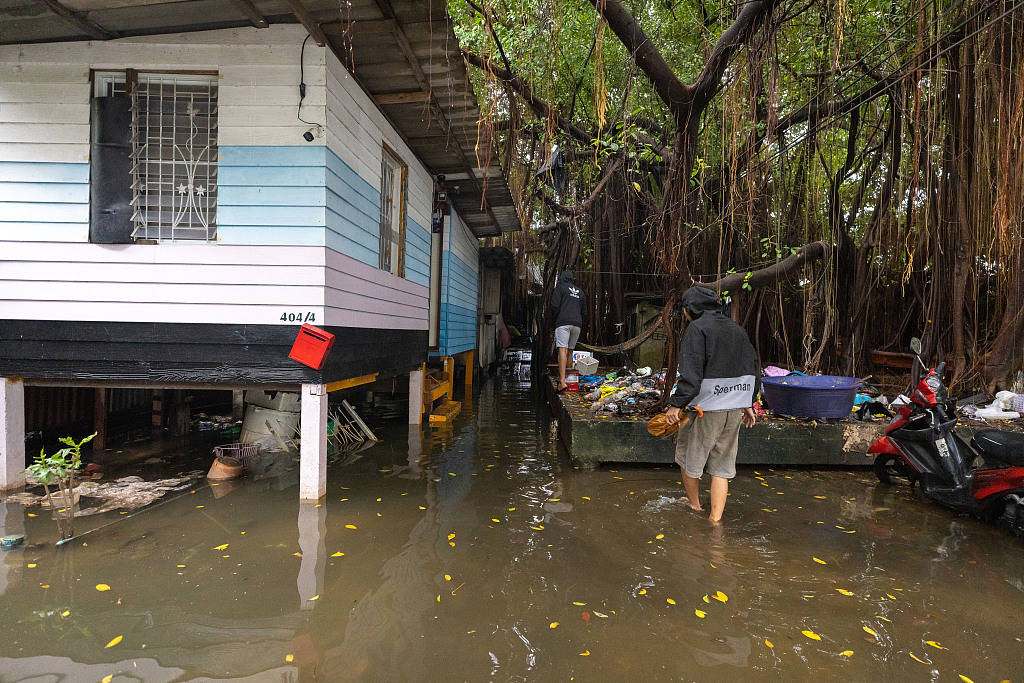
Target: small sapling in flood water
(59, 470)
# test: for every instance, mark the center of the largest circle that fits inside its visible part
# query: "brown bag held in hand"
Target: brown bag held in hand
(659, 426)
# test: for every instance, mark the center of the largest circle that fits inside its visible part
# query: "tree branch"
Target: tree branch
(582, 207)
(772, 274)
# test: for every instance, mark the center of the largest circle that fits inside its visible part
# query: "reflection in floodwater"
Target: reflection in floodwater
(478, 552)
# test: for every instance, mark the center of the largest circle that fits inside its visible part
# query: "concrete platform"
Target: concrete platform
(592, 440)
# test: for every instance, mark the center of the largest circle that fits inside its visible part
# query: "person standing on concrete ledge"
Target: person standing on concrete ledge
(718, 378)
(567, 303)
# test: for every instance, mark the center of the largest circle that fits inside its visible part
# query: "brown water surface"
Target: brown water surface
(481, 554)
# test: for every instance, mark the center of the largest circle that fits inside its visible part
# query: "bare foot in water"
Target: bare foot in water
(695, 508)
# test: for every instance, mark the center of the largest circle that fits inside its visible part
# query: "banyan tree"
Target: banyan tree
(851, 172)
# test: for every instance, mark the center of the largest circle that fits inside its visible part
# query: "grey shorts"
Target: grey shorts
(566, 336)
(709, 443)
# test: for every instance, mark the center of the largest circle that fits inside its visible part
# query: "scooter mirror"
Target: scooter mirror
(915, 345)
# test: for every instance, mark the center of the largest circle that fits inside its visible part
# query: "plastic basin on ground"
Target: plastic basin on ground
(821, 396)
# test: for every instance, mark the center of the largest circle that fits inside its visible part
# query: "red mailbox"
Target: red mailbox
(312, 346)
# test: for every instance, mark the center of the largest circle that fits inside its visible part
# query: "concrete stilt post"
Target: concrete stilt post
(416, 396)
(12, 433)
(313, 546)
(313, 452)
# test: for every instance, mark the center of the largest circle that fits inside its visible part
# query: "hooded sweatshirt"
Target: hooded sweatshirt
(718, 367)
(567, 301)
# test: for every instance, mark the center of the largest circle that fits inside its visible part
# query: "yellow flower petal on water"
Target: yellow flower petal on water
(700, 613)
(870, 631)
(846, 653)
(670, 601)
(819, 561)
(350, 526)
(660, 536)
(843, 591)
(916, 658)
(769, 643)
(495, 520)
(289, 658)
(451, 536)
(965, 679)
(935, 644)
(586, 653)
(553, 624)
(339, 554)
(811, 634)
(642, 591)
(220, 547)
(721, 597)
(114, 642)
(706, 599)
(447, 577)
(65, 613)
(108, 678)
(102, 587)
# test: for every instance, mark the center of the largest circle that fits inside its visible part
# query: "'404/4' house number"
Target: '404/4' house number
(299, 317)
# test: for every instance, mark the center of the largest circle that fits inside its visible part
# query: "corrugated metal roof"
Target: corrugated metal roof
(404, 53)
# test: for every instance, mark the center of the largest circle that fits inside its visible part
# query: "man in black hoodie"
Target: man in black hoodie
(567, 303)
(719, 378)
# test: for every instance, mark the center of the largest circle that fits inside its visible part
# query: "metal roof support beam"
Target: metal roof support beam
(307, 20)
(252, 13)
(86, 26)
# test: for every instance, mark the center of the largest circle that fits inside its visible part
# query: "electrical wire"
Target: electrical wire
(302, 84)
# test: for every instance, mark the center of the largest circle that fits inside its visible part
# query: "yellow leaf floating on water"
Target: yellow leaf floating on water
(706, 599)
(108, 678)
(843, 591)
(350, 526)
(586, 497)
(65, 613)
(511, 509)
(721, 597)
(811, 634)
(700, 613)
(916, 658)
(870, 631)
(439, 597)
(846, 653)
(495, 520)
(670, 601)
(31, 565)
(114, 642)
(447, 577)
(289, 658)
(642, 591)
(819, 561)
(579, 604)
(769, 643)
(451, 536)
(585, 653)
(935, 644)
(965, 679)
(337, 554)
(102, 587)
(553, 624)
(422, 507)
(660, 536)
(220, 547)
(820, 497)
(296, 554)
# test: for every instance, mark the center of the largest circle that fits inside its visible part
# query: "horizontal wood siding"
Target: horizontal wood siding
(459, 285)
(359, 295)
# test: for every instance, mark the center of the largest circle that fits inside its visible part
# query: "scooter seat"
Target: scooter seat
(1006, 447)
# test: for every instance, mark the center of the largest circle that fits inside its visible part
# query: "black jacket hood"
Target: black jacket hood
(698, 300)
(566, 276)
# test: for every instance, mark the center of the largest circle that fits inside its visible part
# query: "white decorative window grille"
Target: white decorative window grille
(174, 156)
(392, 213)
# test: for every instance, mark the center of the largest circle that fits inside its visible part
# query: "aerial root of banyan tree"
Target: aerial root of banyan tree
(911, 227)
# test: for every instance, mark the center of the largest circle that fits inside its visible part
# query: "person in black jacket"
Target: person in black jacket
(567, 303)
(719, 378)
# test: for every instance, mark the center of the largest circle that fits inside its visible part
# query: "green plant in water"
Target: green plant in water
(59, 470)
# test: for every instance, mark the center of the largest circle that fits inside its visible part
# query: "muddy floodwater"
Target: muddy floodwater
(482, 554)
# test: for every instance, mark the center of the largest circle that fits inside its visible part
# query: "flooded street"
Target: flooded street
(481, 554)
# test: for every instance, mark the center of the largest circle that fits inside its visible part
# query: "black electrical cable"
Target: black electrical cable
(302, 85)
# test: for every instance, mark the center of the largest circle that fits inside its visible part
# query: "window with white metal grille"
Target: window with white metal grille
(392, 213)
(174, 156)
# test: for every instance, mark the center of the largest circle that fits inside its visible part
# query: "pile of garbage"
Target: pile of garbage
(622, 392)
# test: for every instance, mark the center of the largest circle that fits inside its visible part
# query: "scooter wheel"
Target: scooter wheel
(892, 470)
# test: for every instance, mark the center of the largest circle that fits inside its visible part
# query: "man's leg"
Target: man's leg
(719, 492)
(692, 487)
(563, 360)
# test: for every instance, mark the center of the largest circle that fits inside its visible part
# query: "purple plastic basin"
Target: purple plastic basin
(805, 396)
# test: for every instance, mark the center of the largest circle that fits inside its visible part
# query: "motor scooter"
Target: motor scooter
(982, 477)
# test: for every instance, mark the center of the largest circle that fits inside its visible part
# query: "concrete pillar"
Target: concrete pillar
(313, 451)
(313, 546)
(12, 433)
(416, 396)
(238, 403)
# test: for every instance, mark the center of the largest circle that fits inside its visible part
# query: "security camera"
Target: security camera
(308, 135)
(440, 179)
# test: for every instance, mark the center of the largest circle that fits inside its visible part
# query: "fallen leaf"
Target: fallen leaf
(511, 509)
(447, 577)
(721, 597)
(439, 597)
(102, 587)
(114, 642)
(451, 536)
(843, 591)
(670, 601)
(870, 631)
(846, 653)
(337, 554)
(289, 658)
(554, 500)
(965, 679)
(580, 604)
(642, 591)
(315, 597)
(422, 507)
(296, 554)
(586, 497)
(31, 565)
(495, 520)
(811, 634)
(181, 566)
(553, 624)
(586, 653)
(350, 526)
(769, 643)
(935, 644)
(700, 613)
(819, 561)
(65, 613)
(706, 599)
(108, 678)
(220, 547)
(44, 585)
(917, 659)
(820, 497)
(200, 506)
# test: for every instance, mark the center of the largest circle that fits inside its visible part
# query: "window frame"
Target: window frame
(403, 190)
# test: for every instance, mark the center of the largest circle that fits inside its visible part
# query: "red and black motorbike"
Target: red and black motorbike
(983, 477)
